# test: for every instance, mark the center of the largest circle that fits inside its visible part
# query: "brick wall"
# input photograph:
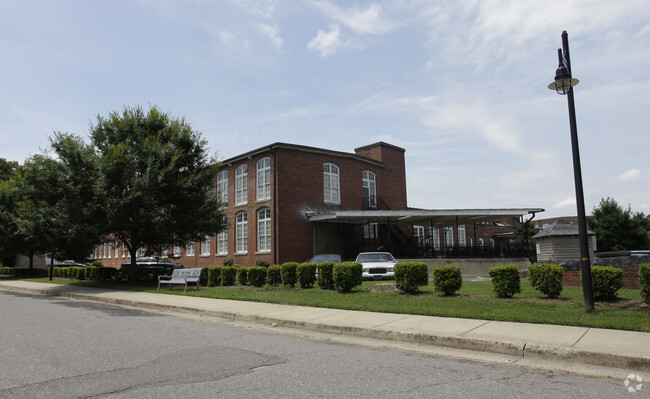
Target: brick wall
(630, 278)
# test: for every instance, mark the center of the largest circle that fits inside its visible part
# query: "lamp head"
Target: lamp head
(563, 81)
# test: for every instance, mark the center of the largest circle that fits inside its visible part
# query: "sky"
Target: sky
(462, 86)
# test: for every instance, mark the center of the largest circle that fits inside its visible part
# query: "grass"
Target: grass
(475, 300)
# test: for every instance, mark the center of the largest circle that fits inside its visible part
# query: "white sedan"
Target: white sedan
(377, 265)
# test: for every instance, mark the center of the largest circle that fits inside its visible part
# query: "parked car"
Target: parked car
(66, 263)
(151, 262)
(377, 265)
(325, 258)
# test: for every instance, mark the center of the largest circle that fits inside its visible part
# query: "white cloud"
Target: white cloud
(271, 33)
(228, 38)
(628, 176)
(565, 203)
(263, 8)
(363, 21)
(328, 42)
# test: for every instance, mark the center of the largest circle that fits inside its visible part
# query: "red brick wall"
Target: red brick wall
(630, 278)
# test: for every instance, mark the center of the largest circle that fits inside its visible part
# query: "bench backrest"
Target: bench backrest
(182, 273)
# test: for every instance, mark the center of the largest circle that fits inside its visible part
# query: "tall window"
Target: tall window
(449, 237)
(462, 238)
(241, 185)
(264, 230)
(176, 251)
(241, 233)
(369, 189)
(418, 233)
(263, 191)
(205, 246)
(123, 250)
(222, 240)
(435, 235)
(222, 186)
(370, 230)
(331, 183)
(189, 249)
(110, 250)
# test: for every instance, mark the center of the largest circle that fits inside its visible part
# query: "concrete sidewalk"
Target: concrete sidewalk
(610, 348)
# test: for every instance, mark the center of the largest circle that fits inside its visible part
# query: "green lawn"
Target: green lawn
(475, 300)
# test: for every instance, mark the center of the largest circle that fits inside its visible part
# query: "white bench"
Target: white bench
(181, 276)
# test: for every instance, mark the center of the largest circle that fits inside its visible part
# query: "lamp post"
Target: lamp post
(563, 84)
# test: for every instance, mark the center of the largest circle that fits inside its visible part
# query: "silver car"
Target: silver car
(377, 265)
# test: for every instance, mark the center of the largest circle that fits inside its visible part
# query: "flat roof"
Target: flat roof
(424, 217)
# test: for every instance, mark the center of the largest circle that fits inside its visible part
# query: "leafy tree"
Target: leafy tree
(617, 228)
(7, 168)
(524, 233)
(155, 186)
(8, 227)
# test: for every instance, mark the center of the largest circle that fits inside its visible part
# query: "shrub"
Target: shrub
(411, 275)
(644, 281)
(203, 280)
(288, 273)
(306, 274)
(606, 281)
(214, 276)
(228, 275)
(92, 273)
(97, 263)
(273, 275)
(546, 278)
(325, 277)
(347, 275)
(447, 279)
(262, 263)
(506, 280)
(228, 262)
(242, 275)
(257, 276)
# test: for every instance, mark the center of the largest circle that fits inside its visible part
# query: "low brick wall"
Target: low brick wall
(630, 278)
(473, 267)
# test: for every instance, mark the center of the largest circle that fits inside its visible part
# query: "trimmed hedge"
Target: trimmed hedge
(409, 276)
(273, 275)
(228, 262)
(262, 263)
(306, 274)
(546, 278)
(289, 274)
(228, 275)
(347, 275)
(325, 276)
(447, 279)
(242, 275)
(506, 280)
(214, 276)
(606, 281)
(257, 276)
(644, 281)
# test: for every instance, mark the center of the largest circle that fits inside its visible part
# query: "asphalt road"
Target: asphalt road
(60, 348)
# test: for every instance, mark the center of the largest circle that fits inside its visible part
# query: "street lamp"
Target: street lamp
(563, 84)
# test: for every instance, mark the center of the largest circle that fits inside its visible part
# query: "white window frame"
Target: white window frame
(462, 236)
(449, 237)
(418, 233)
(222, 186)
(190, 249)
(369, 181)
(123, 250)
(176, 251)
(481, 242)
(331, 183)
(264, 230)
(205, 245)
(241, 233)
(263, 187)
(241, 185)
(222, 242)
(435, 234)
(370, 230)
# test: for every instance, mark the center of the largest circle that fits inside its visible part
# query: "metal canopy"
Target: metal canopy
(425, 217)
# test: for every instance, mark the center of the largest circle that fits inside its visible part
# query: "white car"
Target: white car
(377, 265)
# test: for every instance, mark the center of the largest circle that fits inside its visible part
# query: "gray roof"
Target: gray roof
(561, 228)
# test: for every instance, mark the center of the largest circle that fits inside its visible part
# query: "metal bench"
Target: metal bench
(181, 276)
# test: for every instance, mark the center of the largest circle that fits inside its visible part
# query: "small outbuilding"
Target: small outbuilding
(559, 243)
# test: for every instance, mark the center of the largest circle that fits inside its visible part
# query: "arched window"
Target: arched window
(263, 191)
(241, 233)
(331, 184)
(241, 185)
(222, 186)
(264, 230)
(369, 186)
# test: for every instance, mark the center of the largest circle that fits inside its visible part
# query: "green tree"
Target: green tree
(156, 179)
(8, 227)
(617, 228)
(524, 233)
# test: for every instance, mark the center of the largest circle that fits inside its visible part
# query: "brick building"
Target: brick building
(287, 202)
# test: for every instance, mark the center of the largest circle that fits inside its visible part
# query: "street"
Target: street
(61, 348)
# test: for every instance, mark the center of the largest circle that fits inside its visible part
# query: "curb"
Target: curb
(515, 349)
